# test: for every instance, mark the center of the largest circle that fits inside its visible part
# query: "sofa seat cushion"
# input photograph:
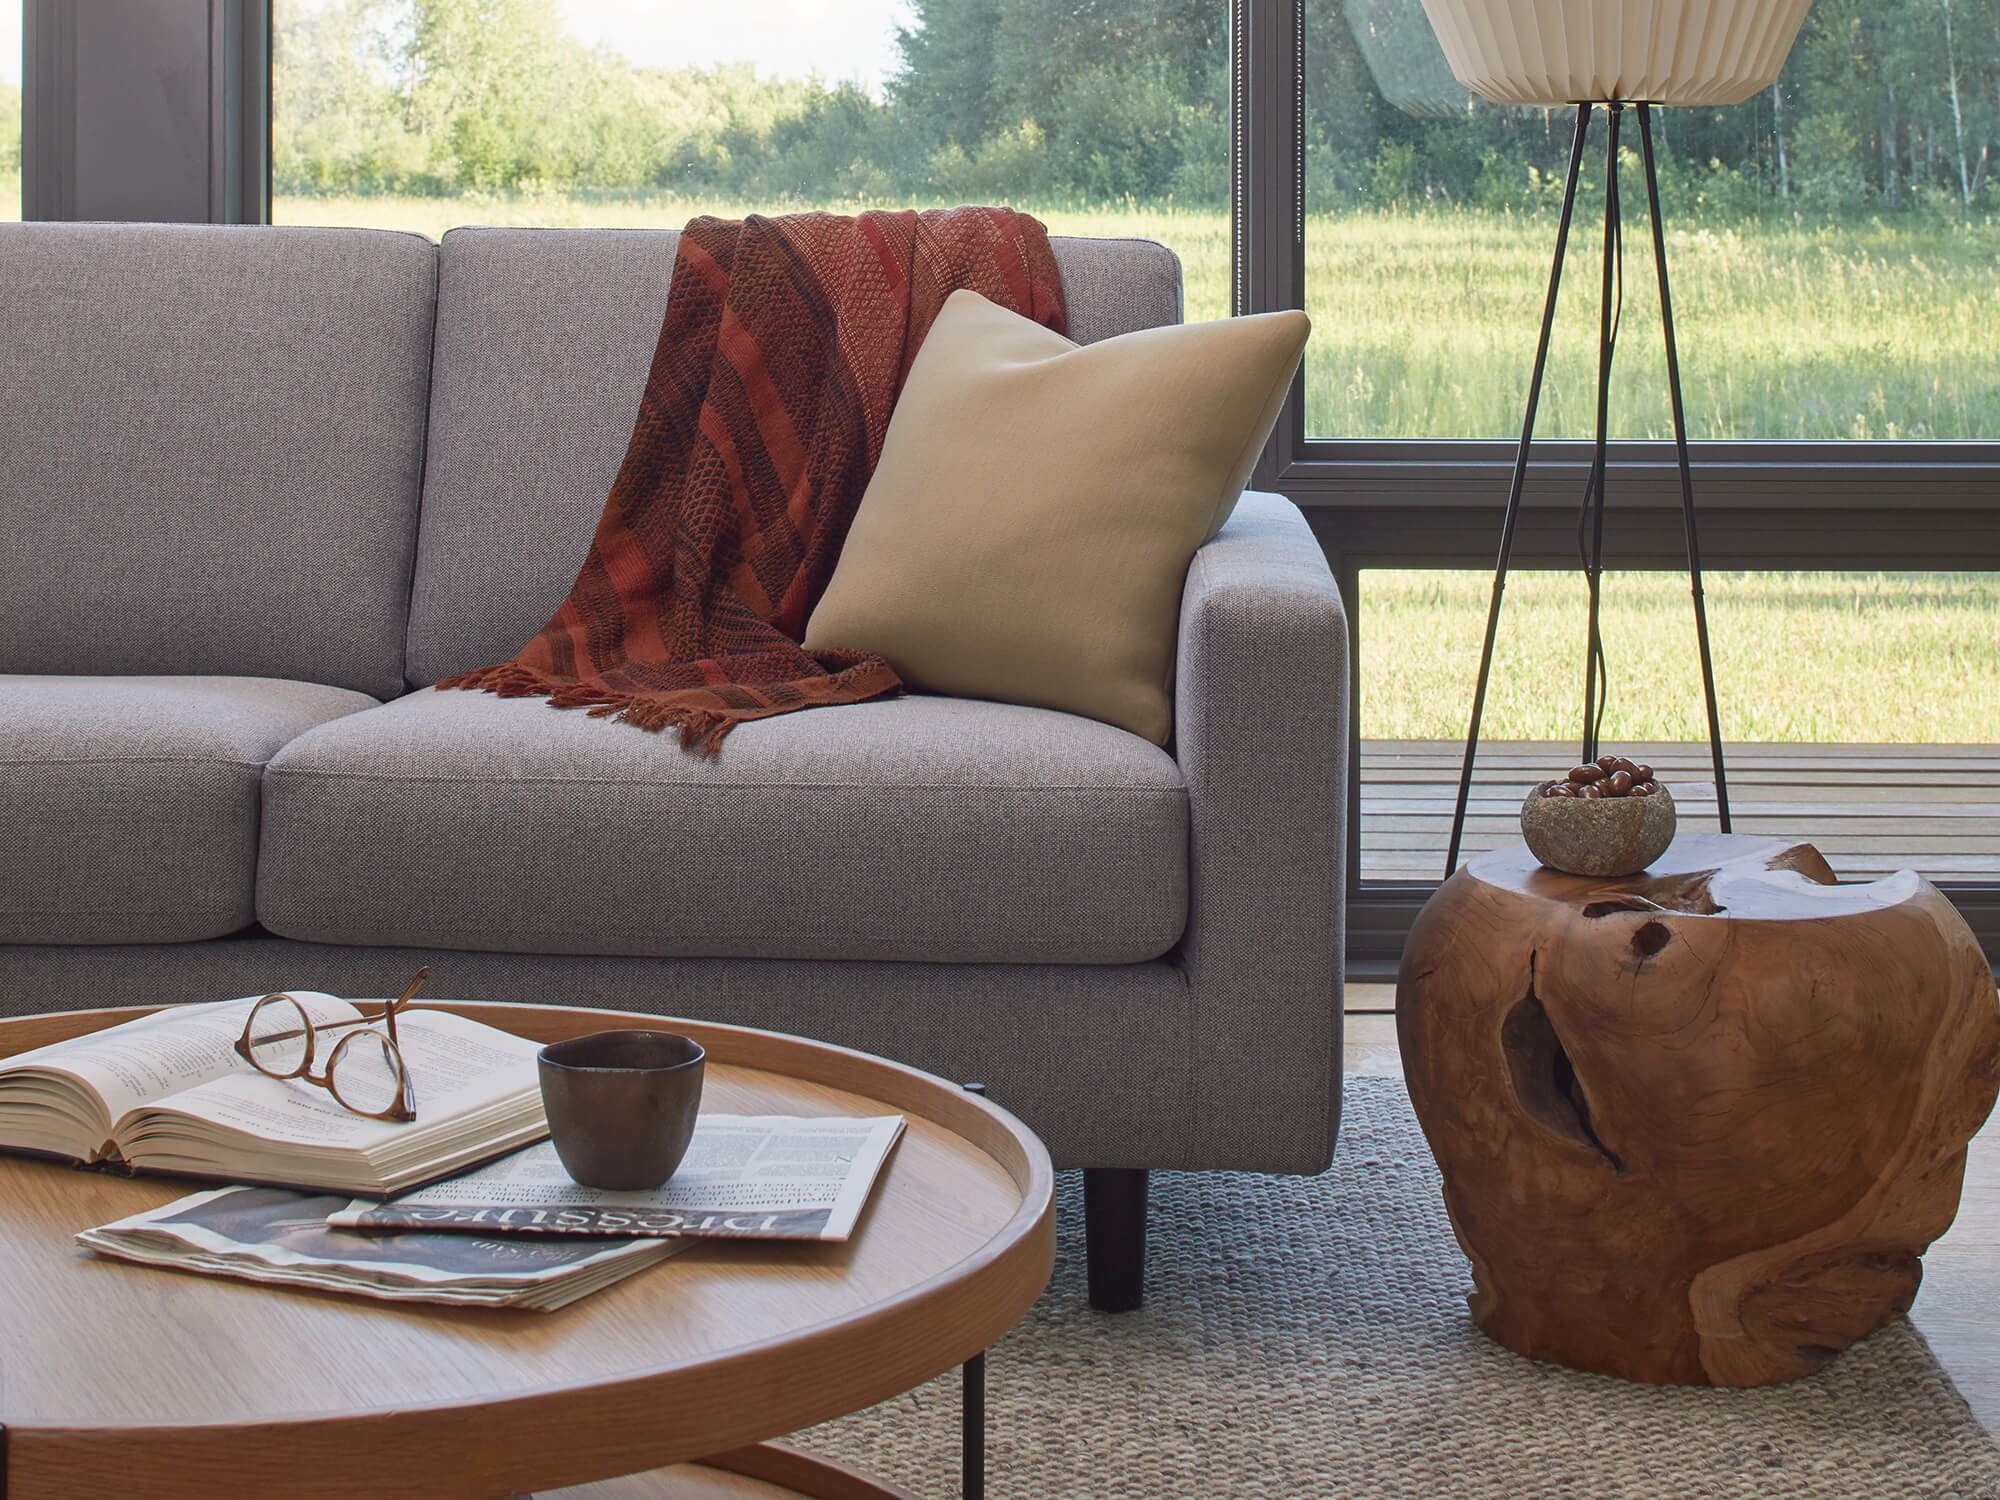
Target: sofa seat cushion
(915, 828)
(129, 805)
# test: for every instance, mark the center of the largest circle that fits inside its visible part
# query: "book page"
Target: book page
(154, 1056)
(456, 1066)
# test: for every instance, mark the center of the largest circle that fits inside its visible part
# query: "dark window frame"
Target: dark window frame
(1437, 503)
(217, 48)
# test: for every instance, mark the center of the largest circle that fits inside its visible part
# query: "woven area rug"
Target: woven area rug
(1309, 1337)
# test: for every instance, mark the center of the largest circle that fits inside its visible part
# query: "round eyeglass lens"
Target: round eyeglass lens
(366, 1073)
(280, 1036)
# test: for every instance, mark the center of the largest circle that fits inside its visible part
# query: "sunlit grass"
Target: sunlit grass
(1865, 658)
(1425, 321)
(1425, 325)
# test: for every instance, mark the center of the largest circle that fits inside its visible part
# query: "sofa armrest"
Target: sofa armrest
(1260, 732)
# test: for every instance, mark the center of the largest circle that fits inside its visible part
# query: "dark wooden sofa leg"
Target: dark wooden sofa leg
(1114, 1236)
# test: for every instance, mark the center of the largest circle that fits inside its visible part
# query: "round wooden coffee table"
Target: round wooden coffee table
(122, 1379)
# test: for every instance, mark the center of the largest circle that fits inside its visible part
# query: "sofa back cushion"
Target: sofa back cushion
(211, 449)
(544, 340)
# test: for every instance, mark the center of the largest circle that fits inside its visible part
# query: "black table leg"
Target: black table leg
(972, 1407)
(972, 1427)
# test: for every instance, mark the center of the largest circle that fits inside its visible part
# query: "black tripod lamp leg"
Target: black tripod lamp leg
(1515, 489)
(1687, 476)
(1607, 334)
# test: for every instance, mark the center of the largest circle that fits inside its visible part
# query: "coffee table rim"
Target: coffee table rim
(614, 1421)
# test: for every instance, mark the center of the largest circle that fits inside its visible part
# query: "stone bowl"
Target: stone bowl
(1599, 836)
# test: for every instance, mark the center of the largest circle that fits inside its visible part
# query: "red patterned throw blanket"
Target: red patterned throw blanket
(785, 344)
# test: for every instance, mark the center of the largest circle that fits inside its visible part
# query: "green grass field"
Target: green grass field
(1424, 326)
(1867, 658)
(1424, 321)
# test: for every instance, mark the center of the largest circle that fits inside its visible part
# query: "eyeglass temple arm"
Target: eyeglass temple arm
(409, 991)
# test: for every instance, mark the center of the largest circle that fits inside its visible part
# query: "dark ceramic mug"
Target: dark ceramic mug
(622, 1104)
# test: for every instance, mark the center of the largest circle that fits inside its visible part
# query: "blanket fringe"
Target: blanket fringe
(504, 680)
(700, 728)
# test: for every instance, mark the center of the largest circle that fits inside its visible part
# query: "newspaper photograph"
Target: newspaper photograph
(278, 1236)
(763, 1177)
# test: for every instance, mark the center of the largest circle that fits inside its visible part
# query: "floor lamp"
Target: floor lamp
(1620, 54)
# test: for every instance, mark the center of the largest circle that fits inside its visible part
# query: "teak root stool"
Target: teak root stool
(1696, 1125)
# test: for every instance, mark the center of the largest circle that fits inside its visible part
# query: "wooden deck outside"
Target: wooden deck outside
(1869, 809)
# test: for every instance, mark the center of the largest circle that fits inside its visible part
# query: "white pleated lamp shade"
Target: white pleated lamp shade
(1551, 52)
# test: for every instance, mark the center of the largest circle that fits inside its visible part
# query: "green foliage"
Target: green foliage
(1887, 106)
(10, 130)
(1827, 177)
(457, 96)
(1392, 179)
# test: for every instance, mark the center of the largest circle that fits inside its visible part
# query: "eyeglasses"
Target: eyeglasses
(364, 1072)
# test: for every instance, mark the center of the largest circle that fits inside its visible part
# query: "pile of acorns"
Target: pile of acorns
(1607, 776)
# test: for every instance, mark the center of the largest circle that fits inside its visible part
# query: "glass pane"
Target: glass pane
(1833, 246)
(1110, 119)
(10, 110)
(1858, 709)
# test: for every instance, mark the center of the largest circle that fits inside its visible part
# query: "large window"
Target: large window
(10, 110)
(1834, 241)
(420, 114)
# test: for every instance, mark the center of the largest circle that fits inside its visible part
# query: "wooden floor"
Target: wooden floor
(1869, 809)
(1959, 1306)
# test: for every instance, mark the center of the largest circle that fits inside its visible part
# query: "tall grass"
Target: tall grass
(1868, 658)
(1424, 320)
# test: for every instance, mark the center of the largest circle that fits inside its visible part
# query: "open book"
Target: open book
(168, 1093)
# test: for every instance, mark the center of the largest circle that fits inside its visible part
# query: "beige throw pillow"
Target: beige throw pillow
(1028, 529)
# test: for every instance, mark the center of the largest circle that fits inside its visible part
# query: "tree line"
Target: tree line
(1886, 105)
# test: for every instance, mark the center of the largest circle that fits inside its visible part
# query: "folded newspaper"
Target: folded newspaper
(757, 1177)
(279, 1236)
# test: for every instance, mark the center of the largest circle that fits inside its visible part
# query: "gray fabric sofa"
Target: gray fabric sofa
(260, 487)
